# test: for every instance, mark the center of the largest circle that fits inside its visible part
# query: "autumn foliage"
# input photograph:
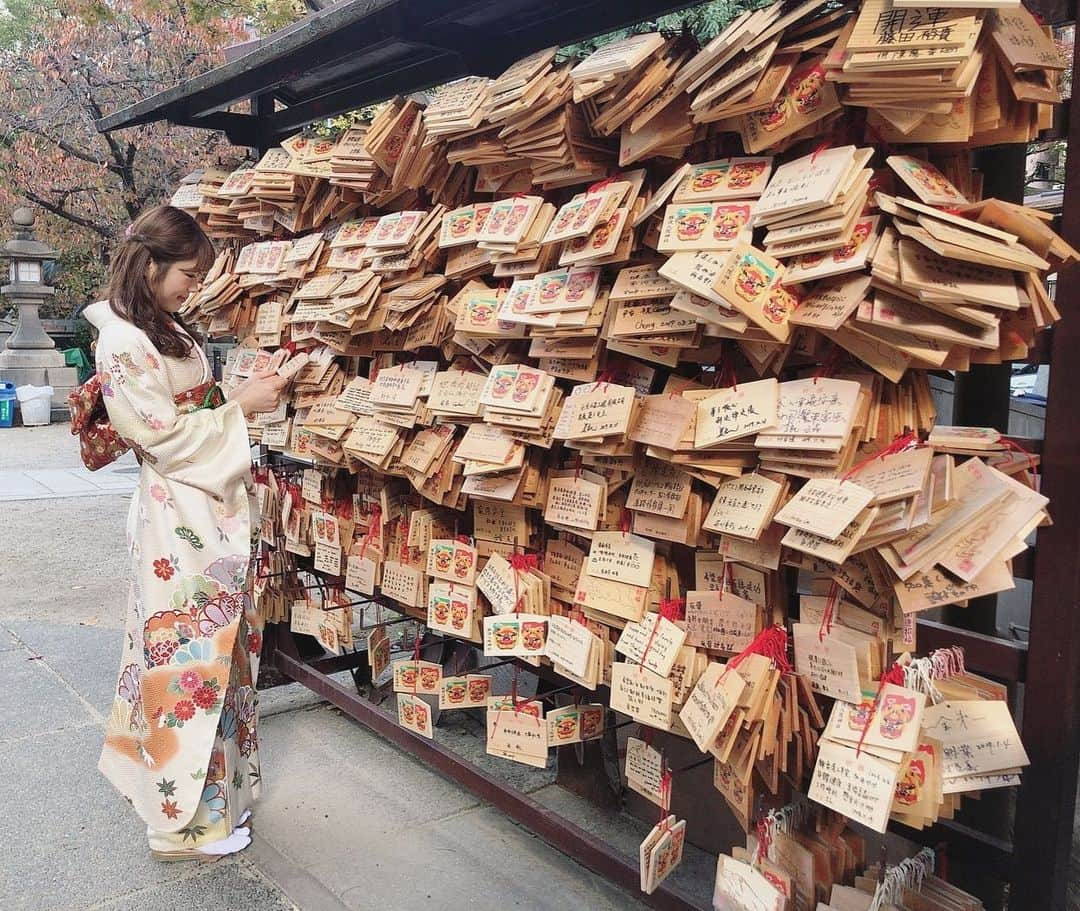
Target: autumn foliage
(70, 63)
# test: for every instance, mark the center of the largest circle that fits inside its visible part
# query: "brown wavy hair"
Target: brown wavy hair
(164, 235)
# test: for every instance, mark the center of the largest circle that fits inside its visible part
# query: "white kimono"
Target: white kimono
(181, 743)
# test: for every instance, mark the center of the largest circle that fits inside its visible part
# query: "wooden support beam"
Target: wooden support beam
(1051, 722)
(991, 656)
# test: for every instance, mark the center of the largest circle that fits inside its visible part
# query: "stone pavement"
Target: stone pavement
(346, 821)
(42, 463)
(55, 483)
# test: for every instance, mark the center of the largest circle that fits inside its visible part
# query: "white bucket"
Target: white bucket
(35, 403)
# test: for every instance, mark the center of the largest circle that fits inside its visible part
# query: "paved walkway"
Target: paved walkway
(42, 463)
(56, 483)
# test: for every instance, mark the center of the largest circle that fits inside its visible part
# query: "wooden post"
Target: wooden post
(1051, 727)
(262, 106)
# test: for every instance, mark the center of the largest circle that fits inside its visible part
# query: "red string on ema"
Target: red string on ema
(1013, 446)
(517, 706)
(403, 555)
(665, 798)
(520, 563)
(772, 643)
(523, 562)
(673, 609)
(894, 674)
(374, 526)
(648, 645)
(902, 442)
(524, 705)
(764, 839)
(727, 580)
(825, 628)
(670, 609)
(416, 657)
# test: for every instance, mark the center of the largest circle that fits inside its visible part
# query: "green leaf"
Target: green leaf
(193, 832)
(182, 531)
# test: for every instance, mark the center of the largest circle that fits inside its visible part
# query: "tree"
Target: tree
(16, 19)
(65, 64)
(704, 21)
(78, 63)
(264, 16)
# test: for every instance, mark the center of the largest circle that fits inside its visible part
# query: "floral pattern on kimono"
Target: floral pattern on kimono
(179, 690)
(232, 777)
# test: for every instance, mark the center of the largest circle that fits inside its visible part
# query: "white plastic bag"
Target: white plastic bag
(35, 403)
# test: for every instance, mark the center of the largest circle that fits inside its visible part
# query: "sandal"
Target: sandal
(190, 854)
(234, 843)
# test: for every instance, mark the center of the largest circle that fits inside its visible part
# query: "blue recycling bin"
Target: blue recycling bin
(7, 404)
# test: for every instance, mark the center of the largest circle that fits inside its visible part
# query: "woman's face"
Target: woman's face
(175, 282)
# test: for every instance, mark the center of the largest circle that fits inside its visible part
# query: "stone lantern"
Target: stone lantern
(30, 356)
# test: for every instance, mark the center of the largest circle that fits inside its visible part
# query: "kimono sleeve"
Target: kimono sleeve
(206, 449)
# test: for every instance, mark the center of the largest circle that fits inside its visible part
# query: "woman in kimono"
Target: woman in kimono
(180, 742)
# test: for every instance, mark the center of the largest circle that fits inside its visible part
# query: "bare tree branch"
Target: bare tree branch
(61, 212)
(64, 145)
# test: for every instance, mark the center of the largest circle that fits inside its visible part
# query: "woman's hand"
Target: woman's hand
(259, 393)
